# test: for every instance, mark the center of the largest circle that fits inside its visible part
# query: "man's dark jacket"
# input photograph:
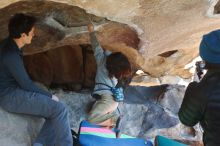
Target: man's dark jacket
(201, 104)
(12, 72)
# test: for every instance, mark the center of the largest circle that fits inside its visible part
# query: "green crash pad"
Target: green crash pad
(163, 141)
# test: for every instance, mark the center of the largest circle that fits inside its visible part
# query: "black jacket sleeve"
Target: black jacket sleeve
(193, 105)
(14, 64)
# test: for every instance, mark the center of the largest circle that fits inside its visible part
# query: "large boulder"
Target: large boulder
(18, 130)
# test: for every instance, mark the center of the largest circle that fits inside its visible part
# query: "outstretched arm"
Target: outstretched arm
(96, 47)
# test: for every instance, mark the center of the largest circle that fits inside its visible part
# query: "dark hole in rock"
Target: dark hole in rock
(68, 67)
(168, 53)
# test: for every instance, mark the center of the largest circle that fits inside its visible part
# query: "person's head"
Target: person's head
(21, 26)
(118, 66)
(209, 49)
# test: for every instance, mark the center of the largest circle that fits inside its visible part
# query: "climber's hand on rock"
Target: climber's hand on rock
(90, 27)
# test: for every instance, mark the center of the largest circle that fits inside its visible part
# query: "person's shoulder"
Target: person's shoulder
(8, 53)
(6, 44)
(203, 87)
(194, 84)
(211, 77)
(194, 88)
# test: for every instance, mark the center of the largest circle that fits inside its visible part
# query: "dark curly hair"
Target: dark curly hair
(118, 65)
(20, 23)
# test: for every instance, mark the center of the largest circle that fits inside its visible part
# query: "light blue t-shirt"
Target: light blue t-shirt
(101, 73)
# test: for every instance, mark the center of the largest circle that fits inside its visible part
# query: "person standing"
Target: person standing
(201, 102)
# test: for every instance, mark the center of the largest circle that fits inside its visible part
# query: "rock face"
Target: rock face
(18, 130)
(162, 26)
(57, 66)
(146, 113)
(69, 67)
(156, 27)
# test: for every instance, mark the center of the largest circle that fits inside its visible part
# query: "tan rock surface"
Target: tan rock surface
(162, 25)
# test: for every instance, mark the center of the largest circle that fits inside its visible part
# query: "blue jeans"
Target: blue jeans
(56, 129)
